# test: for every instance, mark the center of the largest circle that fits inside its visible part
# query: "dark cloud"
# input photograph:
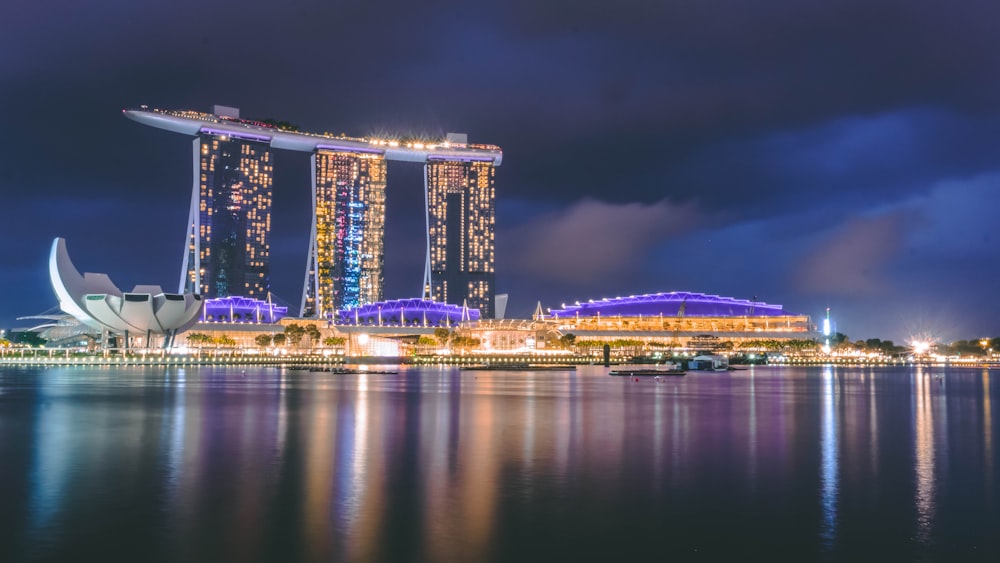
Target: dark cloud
(852, 261)
(592, 240)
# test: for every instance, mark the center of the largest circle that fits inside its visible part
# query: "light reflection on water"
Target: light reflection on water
(924, 450)
(438, 465)
(830, 459)
(987, 432)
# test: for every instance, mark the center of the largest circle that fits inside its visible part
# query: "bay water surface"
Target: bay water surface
(436, 464)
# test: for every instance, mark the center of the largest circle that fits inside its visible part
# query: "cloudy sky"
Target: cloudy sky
(810, 153)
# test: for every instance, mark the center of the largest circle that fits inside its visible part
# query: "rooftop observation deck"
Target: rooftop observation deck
(194, 123)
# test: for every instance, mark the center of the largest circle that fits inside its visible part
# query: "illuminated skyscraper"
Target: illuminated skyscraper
(228, 252)
(460, 223)
(227, 248)
(346, 249)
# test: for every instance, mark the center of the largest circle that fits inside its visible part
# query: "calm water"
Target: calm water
(209, 464)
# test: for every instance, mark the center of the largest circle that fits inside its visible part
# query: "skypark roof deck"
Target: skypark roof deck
(193, 123)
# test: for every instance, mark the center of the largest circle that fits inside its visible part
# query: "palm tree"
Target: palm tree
(198, 338)
(294, 333)
(442, 334)
(334, 341)
(313, 333)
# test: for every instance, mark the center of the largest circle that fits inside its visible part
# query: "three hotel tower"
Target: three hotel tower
(228, 241)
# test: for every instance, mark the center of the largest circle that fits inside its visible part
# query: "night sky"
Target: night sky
(809, 153)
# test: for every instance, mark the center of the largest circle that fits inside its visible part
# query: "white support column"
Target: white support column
(193, 236)
(311, 282)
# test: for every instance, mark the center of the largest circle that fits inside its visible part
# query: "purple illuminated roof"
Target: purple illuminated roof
(673, 304)
(406, 312)
(242, 309)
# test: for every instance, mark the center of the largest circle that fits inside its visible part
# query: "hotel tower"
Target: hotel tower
(228, 249)
(460, 253)
(344, 268)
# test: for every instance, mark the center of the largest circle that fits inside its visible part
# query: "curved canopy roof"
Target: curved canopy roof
(672, 304)
(407, 312)
(235, 309)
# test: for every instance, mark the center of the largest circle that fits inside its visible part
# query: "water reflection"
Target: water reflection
(924, 451)
(873, 443)
(829, 462)
(437, 464)
(752, 434)
(175, 430)
(53, 455)
(987, 432)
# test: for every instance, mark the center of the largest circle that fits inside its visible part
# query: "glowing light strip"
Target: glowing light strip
(348, 148)
(446, 158)
(235, 135)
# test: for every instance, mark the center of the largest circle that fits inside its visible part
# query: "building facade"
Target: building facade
(460, 225)
(346, 257)
(228, 248)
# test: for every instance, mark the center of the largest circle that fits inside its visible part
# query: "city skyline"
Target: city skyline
(837, 157)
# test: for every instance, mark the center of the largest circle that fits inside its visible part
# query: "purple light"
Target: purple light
(242, 309)
(673, 304)
(407, 312)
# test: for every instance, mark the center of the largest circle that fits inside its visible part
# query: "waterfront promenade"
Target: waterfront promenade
(289, 361)
(56, 358)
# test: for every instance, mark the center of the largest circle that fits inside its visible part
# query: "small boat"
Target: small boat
(518, 367)
(708, 362)
(647, 372)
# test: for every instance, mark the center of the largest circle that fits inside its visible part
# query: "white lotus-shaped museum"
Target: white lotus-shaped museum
(97, 302)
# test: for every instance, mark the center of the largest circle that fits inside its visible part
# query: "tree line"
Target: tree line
(294, 335)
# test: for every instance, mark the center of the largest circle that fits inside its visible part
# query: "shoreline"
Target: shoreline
(289, 361)
(340, 360)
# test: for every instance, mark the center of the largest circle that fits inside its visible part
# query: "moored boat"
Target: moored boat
(708, 362)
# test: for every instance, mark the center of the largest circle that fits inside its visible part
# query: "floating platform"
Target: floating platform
(351, 371)
(647, 372)
(518, 367)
